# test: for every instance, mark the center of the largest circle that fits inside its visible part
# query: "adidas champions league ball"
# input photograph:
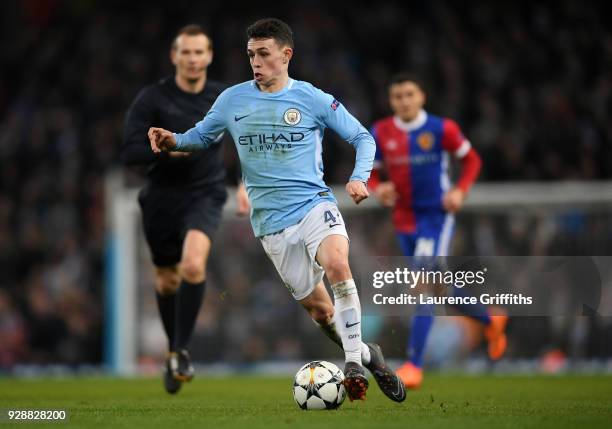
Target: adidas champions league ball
(318, 386)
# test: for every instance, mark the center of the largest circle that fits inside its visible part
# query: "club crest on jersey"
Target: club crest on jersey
(425, 140)
(335, 104)
(292, 116)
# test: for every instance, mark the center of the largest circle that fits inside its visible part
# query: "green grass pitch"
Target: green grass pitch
(249, 402)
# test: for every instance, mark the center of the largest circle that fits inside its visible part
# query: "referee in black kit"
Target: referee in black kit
(185, 192)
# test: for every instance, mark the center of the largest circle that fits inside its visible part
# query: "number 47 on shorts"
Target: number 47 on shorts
(333, 220)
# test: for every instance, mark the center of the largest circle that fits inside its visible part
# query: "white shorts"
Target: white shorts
(293, 250)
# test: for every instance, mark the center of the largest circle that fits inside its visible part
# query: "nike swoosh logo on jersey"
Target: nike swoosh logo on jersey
(237, 118)
(348, 325)
(335, 224)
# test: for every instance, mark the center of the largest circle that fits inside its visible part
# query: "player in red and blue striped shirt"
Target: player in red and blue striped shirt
(413, 148)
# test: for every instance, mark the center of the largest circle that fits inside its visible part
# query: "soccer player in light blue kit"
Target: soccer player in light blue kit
(277, 125)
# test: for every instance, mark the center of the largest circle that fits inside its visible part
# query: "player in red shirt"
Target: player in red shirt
(413, 148)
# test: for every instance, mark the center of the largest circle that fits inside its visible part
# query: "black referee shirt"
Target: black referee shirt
(165, 105)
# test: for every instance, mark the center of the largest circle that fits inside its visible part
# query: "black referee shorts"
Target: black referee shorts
(168, 213)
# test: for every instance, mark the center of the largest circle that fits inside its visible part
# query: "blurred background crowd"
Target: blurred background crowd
(529, 83)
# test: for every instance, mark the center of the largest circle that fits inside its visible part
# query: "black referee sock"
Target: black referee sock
(188, 303)
(167, 310)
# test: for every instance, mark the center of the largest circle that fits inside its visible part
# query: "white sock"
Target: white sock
(348, 319)
(332, 334)
(365, 354)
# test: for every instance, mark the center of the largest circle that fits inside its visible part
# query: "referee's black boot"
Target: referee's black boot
(182, 368)
(171, 384)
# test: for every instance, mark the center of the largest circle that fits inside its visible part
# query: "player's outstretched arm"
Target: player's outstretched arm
(336, 117)
(205, 133)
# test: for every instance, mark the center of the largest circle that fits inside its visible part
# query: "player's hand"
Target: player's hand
(357, 190)
(386, 194)
(243, 206)
(453, 200)
(161, 140)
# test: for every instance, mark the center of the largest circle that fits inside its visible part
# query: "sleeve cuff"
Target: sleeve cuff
(359, 179)
(179, 142)
(463, 149)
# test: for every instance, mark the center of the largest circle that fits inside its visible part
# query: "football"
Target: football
(318, 386)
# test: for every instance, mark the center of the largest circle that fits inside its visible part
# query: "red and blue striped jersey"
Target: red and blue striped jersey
(416, 158)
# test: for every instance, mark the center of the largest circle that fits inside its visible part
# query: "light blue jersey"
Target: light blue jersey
(278, 136)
